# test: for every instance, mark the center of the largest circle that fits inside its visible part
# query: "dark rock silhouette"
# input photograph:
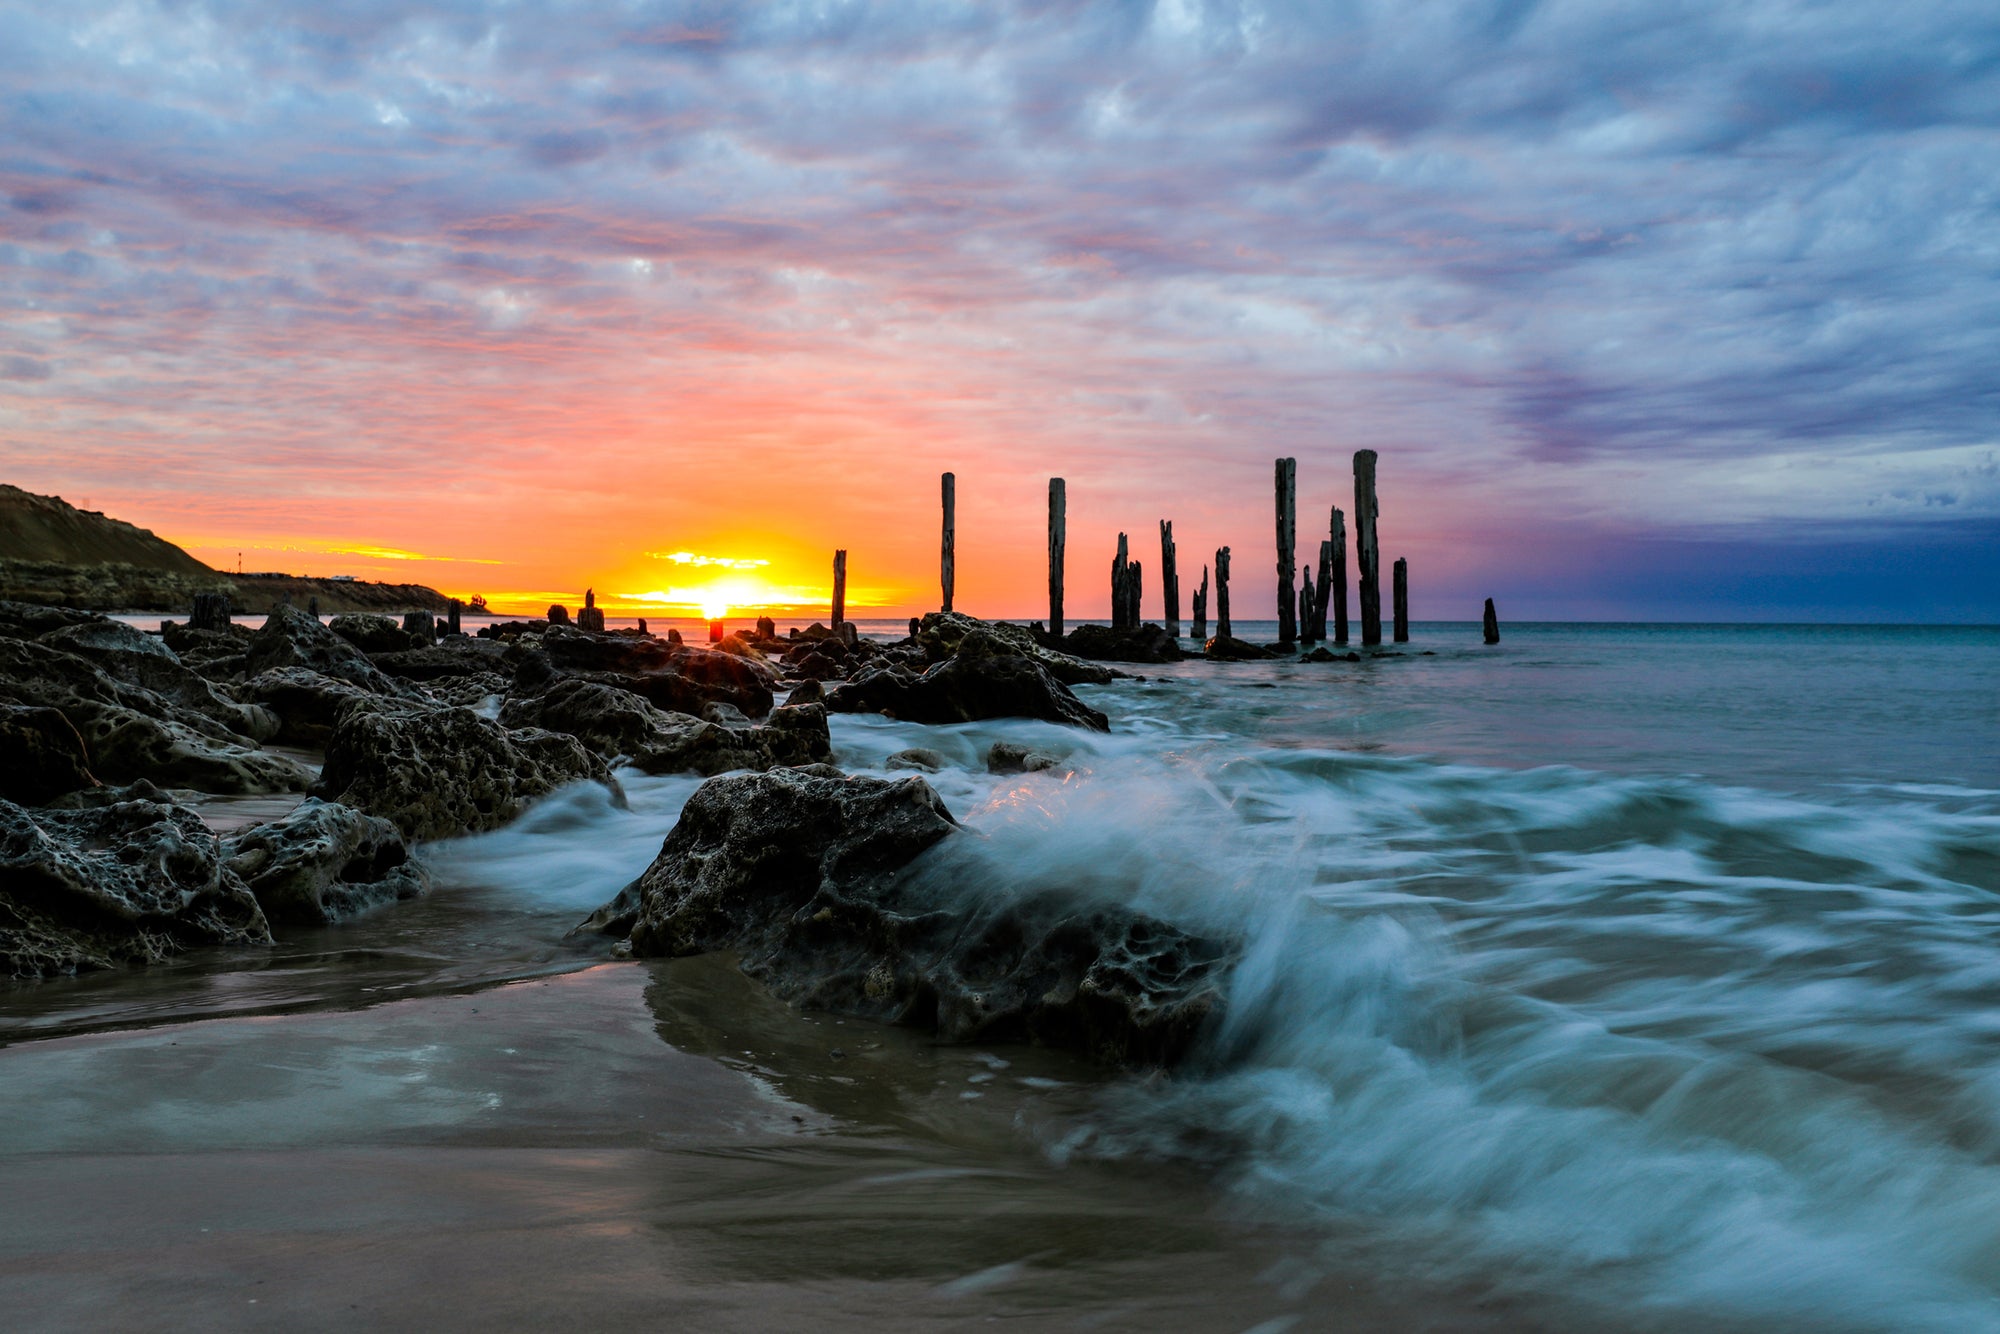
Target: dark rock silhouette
(987, 677)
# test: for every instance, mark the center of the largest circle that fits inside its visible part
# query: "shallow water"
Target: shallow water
(1633, 976)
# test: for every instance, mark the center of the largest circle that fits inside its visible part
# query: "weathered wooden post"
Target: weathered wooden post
(1286, 483)
(1119, 585)
(1323, 590)
(1058, 524)
(1339, 576)
(419, 623)
(1365, 553)
(1492, 623)
(209, 612)
(948, 557)
(839, 590)
(590, 617)
(1201, 607)
(1135, 585)
(1307, 602)
(1170, 579)
(1222, 593)
(1402, 596)
(452, 611)
(312, 607)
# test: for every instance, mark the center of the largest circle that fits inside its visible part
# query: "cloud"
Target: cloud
(1658, 266)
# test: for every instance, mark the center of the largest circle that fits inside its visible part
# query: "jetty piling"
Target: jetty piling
(1402, 597)
(948, 555)
(1285, 482)
(1323, 590)
(1367, 556)
(1120, 585)
(210, 611)
(1200, 609)
(452, 611)
(1339, 576)
(1307, 601)
(1058, 525)
(1222, 592)
(839, 590)
(1492, 623)
(1170, 580)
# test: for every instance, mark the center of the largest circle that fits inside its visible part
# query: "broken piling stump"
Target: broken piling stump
(839, 588)
(1170, 580)
(948, 554)
(1492, 623)
(1058, 525)
(1200, 608)
(1367, 557)
(1402, 600)
(1222, 593)
(1285, 482)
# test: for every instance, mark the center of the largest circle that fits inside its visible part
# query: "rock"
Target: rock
(132, 881)
(916, 757)
(41, 756)
(675, 677)
(558, 614)
(941, 632)
(1224, 648)
(801, 873)
(615, 722)
(323, 862)
(216, 654)
(987, 678)
(437, 773)
(818, 667)
(1148, 643)
(1008, 757)
(142, 660)
(372, 633)
(26, 620)
(290, 638)
(438, 662)
(809, 692)
(1320, 654)
(306, 704)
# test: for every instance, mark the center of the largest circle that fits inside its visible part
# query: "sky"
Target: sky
(1653, 310)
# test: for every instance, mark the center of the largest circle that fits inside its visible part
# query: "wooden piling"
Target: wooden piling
(1402, 597)
(1366, 554)
(1058, 526)
(1170, 580)
(1201, 607)
(210, 612)
(948, 555)
(452, 611)
(1492, 623)
(1285, 482)
(1307, 602)
(1135, 586)
(1119, 589)
(1222, 592)
(839, 589)
(1323, 590)
(1339, 576)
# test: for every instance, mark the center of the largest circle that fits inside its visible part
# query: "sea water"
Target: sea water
(1640, 974)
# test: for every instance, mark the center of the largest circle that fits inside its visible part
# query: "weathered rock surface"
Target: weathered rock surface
(801, 872)
(41, 756)
(1224, 648)
(306, 704)
(1148, 643)
(135, 880)
(920, 758)
(323, 862)
(1010, 757)
(988, 677)
(675, 677)
(615, 722)
(440, 772)
(371, 633)
(941, 632)
(439, 662)
(290, 638)
(135, 658)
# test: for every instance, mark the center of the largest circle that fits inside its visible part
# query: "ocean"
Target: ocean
(1613, 977)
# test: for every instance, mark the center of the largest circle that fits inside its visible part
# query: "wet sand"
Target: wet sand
(629, 1145)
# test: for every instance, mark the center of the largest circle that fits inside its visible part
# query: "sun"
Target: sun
(714, 609)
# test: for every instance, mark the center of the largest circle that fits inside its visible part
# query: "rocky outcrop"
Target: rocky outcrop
(1010, 757)
(41, 756)
(144, 660)
(920, 758)
(290, 638)
(675, 677)
(1148, 643)
(441, 662)
(440, 772)
(306, 704)
(1223, 648)
(371, 633)
(987, 677)
(801, 872)
(322, 863)
(134, 880)
(941, 632)
(614, 722)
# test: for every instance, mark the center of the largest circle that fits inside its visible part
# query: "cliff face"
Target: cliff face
(55, 555)
(47, 530)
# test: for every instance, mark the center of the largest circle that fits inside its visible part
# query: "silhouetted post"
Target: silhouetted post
(210, 612)
(1339, 576)
(1286, 483)
(419, 623)
(312, 607)
(1170, 580)
(715, 631)
(1120, 586)
(452, 611)
(916, 626)
(1135, 584)
(839, 589)
(1366, 556)
(590, 618)
(1402, 595)
(1058, 524)
(1201, 607)
(948, 556)
(1492, 623)
(1307, 602)
(1222, 592)
(1323, 590)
